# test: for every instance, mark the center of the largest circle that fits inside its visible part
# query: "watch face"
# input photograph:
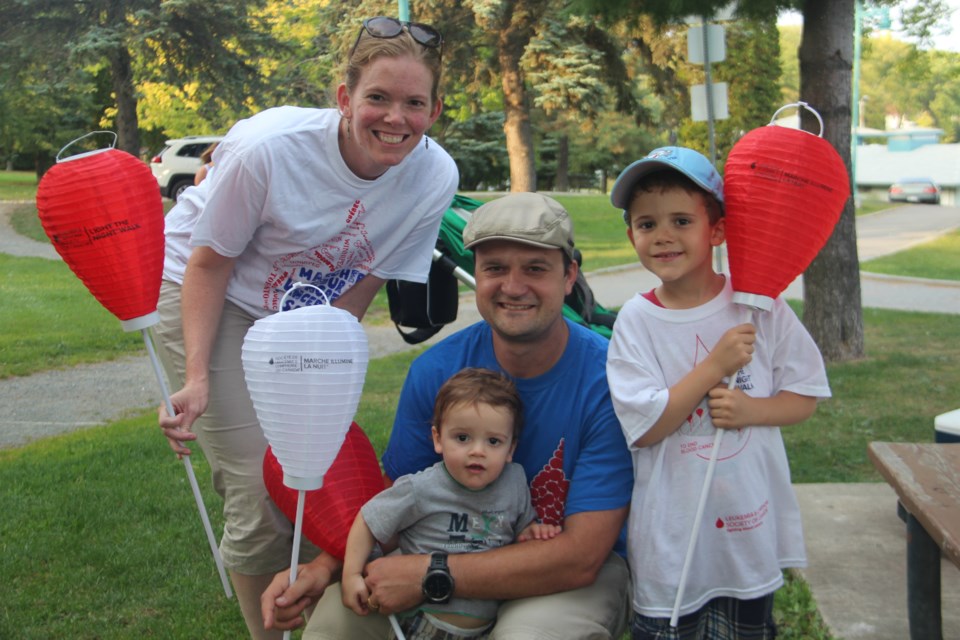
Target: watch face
(436, 585)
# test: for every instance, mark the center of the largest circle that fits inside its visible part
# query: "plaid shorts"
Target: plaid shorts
(719, 619)
(424, 626)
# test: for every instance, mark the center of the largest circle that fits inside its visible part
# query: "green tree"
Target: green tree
(895, 76)
(513, 23)
(832, 281)
(39, 111)
(751, 71)
(208, 42)
(300, 70)
(576, 72)
(496, 49)
(945, 104)
(790, 63)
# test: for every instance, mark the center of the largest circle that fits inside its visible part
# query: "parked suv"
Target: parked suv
(175, 166)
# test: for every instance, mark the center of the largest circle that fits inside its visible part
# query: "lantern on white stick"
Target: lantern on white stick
(784, 190)
(305, 370)
(102, 212)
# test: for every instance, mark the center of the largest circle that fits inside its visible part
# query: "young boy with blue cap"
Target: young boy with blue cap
(670, 353)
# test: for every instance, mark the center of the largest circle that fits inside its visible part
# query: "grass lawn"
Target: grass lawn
(18, 185)
(100, 536)
(872, 206)
(50, 320)
(936, 259)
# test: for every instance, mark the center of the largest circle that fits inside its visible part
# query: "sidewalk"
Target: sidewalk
(855, 542)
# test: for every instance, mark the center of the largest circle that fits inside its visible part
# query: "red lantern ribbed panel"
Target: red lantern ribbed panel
(103, 214)
(784, 191)
(329, 512)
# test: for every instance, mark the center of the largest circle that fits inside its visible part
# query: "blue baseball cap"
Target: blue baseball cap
(687, 161)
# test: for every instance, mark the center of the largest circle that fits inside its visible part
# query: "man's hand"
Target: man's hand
(282, 604)
(395, 582)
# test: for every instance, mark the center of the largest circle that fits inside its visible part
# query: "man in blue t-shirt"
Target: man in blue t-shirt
(577, 464)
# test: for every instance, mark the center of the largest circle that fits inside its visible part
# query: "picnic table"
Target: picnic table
(926, 479)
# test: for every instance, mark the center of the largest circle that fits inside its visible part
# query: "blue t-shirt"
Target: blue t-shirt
(571, 446)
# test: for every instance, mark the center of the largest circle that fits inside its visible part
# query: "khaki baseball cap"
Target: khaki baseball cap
(528, 218)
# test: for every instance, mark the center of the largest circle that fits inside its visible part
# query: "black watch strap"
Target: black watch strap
(438, 581)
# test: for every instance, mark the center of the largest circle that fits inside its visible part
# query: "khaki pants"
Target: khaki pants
(257, 537)
(599, 611)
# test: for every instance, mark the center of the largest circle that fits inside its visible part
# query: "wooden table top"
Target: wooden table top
(926, 478)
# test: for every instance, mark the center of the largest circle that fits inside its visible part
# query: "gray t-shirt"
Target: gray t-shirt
(433, 512)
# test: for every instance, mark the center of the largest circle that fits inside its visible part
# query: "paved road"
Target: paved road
(55, 402)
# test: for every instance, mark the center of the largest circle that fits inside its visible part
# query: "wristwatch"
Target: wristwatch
(438, 583)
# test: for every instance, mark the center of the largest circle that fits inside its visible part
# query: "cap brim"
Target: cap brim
(531, 243)
(620, 194)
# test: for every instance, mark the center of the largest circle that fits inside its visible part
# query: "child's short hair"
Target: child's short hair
(473, 386)
(699, 173)
(667, 179)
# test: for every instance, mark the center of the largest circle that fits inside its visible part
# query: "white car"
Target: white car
(175, 166)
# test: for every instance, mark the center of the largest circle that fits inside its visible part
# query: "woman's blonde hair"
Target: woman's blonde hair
(370, 48)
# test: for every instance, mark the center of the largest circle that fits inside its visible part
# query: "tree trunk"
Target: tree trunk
(832, 306)
(562, 181)
(516, 124)
(121, 77)
(42, 161)
(121, 73)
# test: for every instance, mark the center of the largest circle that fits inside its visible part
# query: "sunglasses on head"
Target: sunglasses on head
(384, 27)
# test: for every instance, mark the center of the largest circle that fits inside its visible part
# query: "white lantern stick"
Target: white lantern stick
(295, 554)
(188, 466)
(301, 493)
(396, 628)
(301, 499)
(702, 502)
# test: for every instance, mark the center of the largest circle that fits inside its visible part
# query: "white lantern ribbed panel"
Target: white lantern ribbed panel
(305, 370)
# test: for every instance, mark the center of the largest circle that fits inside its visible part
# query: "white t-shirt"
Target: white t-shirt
(178, 225)
(751, 526)
(285, 204)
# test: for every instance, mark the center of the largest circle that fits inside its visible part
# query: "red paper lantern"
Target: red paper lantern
(103, 214)
(784, 191)
(329, 512)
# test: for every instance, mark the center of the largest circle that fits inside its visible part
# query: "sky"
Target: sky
(946, 42)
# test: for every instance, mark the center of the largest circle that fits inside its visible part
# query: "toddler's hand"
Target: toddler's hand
(355, 594)
(538, 531)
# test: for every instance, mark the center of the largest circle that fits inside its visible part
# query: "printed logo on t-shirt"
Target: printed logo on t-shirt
(485, 530)
(333, 267)
(737, 522)
(548, 489)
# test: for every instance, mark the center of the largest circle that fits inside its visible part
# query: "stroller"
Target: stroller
(426, 308)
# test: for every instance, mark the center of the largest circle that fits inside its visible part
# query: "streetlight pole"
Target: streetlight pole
(708, 85)
(855, 103)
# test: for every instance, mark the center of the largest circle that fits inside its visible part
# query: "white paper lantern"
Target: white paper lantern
(305, 370)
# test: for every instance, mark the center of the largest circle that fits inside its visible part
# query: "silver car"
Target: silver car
(914, 190)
